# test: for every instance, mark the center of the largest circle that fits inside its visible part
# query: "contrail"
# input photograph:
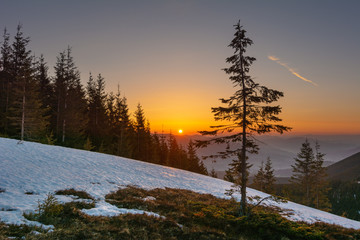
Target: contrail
(273, 58)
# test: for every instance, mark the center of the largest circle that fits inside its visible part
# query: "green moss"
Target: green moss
(187, 215)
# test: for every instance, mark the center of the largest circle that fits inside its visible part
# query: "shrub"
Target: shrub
(47, 211)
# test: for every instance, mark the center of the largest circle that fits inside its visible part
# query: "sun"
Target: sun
(180, 131)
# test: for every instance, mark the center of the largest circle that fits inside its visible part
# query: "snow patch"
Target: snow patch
(106, 209)
(44, 169)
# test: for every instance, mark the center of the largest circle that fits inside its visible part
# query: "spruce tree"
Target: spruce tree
(60, 92)
(76, 106)
(321, 185)
(229, 176)
(143, 137)
(97, 117)
(194, 162)
(259, 178)
(6, 81)
(70, 120)
(125, 131)
(46, 93)
(269, 178)
(248, 111)
(213, 173)
(156, 148)
(164, 150)
(303, 172)
(25, 109)
(174, 158)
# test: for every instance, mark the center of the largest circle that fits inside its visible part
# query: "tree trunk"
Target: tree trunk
(243, 149)
(23, 114)
(7, 106)
(64, 124)
(58, 117)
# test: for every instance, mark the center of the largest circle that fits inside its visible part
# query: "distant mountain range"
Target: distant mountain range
(282, 149)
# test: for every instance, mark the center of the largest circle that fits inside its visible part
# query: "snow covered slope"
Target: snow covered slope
(41, 169)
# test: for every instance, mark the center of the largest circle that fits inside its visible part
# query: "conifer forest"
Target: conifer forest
(58, 109)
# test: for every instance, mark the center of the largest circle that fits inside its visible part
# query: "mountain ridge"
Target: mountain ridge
(347, 169)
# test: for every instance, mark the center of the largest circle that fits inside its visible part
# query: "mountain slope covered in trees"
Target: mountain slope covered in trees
(347, 169)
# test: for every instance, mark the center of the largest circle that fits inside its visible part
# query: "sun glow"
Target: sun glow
(180, 131)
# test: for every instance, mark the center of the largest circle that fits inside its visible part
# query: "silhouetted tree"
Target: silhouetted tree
(142, 135)
(164, 150)
(213, 173)
(259, 178)
(248, 110)
(303, 171)
(6, 81)
(229, 176)
(174, 158)
(156, 148)
(70, 104)
(195, 164)
(96, 110)
(269, 178)
(25, 112)
(45, 87)
(125, 130)
(321, 185)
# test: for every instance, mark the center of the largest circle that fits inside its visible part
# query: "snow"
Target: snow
(106, 209)
(42, 169)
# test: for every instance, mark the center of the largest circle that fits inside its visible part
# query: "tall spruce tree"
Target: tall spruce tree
(125, 131)
(269, 178)
(248, 110)
(174, 157)
(71, 107)
(156, 148)
(96, 110)
(164, 150)
(259, 178)
(60, 87)
(321, 185)
(303, 172)
(46, 89)
(142, 135)
(194, 162)
(25, 112)
(6, 81)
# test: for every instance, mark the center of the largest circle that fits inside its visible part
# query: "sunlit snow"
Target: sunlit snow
(29, 171)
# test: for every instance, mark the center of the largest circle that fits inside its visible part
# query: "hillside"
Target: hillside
(29, 171)
(346, 170)
(283, 149)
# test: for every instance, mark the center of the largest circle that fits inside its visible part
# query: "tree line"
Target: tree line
(308, 183)
(60, 110)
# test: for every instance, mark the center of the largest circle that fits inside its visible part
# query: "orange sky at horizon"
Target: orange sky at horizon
(300, 128)
(169, 55)
(191, 123)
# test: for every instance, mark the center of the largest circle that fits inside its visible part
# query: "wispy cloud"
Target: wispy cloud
(277, 60)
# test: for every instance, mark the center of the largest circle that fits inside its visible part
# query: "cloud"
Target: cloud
(277, 60)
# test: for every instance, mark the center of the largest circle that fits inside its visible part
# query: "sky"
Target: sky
(167, 55)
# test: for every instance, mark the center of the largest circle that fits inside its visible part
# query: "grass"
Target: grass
(73, 192)
(187, 215)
